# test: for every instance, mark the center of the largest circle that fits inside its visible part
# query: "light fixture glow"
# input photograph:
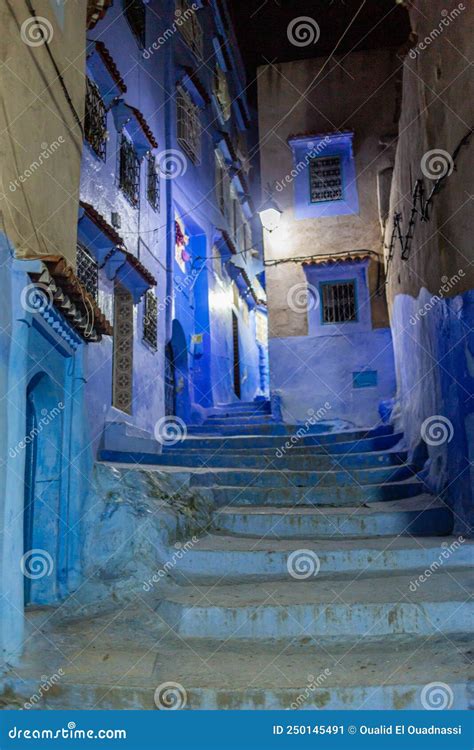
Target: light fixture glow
(270, 213)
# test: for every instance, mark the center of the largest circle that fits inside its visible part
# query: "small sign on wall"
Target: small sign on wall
(365, 379)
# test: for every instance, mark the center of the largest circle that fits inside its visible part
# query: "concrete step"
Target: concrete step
(421, 515)
(323, 443)
(279, 478)
(101, 669)
(316, 496)
(244, 406)
(216, 558)
(298, 462)
(277, 429)
(238, 420)
(332, 609)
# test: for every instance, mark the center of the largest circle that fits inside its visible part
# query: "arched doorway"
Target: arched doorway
(42, 509)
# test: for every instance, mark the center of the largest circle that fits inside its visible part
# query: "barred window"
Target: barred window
(129, 171)
(189, 126)
(135, 13)
(325, 175)
(220, 183)
(150, 319)
(87, 271)
(190, 27)
(95, 120)
(339, 302)
(152, 183)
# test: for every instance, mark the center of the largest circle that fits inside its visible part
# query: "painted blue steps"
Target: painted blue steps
(276, 478)
(350, 608)
(422, 515)
(348, 496)
(218, 558)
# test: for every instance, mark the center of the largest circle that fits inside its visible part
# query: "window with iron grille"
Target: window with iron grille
(135, 13)
(152, 183)
(325, 175)
(129, 171)
(339, 303)
(189, 126)
(220, 183)
(150, 319)
(190, 27)
(87, 271)
(95, 120)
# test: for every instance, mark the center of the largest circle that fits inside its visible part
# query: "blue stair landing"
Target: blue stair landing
(310, 563)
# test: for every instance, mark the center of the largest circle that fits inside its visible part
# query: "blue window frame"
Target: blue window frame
(338, 301)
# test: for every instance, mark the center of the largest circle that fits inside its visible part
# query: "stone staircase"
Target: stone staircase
(328, 580)
(314, 559)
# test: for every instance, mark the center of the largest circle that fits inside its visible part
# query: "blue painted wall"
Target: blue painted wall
(434, 349)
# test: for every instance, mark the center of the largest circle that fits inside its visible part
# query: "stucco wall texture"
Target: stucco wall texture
(431, 307)
(357, 93)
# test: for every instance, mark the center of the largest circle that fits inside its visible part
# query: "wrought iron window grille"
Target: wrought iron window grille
(190, 27)
(339, 303)
(150, 320)
(95, 120)
(189, 126)
(88, 271)
(135, 13)
(129, 171)
(325, 177)
(152, 183)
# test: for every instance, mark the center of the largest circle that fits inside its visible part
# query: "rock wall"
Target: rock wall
(135, 523)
